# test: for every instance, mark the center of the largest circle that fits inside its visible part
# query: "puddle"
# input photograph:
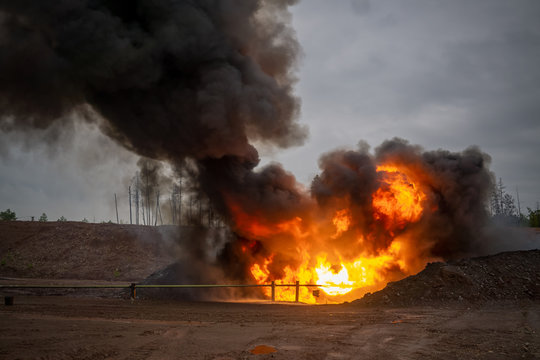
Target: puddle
(263, 349)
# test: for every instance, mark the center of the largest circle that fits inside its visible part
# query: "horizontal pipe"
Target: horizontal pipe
(64, 286)
(307, 285)
(201, 286)
(10, 286)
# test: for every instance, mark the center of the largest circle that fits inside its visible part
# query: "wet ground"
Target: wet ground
(64, 327)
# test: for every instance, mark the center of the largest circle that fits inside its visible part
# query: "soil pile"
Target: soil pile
(195, 265)
(179, 272)
(505, 276)
(77, 250)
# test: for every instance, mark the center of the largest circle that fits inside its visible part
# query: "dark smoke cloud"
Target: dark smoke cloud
(172, 79)
(453, 223)
(271, 194)
(457, 186)
(197, 82)
(189, 82)
(461, 183)
(350, 177)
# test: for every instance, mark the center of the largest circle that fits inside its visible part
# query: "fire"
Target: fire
(333, 280)
(333, 283)
(316, 251)
(400, 201)
(342, 221)
(260, 273)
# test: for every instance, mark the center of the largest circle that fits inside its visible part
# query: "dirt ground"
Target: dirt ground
(484, 308)
(67, 327)
(77, 250)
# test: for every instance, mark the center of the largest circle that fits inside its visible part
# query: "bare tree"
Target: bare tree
(503, 206)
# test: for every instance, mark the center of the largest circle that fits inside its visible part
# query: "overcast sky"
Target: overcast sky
(441, 74)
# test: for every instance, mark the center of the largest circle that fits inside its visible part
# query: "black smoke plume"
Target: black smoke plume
(171, 78)
(200, 82)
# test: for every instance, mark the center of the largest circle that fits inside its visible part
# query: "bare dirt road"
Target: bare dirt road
(63, 327)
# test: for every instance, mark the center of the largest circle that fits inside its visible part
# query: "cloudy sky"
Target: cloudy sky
(441, 74)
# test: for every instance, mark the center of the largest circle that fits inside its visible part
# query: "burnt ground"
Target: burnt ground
(482, 308)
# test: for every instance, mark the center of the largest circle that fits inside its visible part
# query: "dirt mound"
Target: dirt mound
(177, 273)
(186, 273)
(505, 276)
(77, 250)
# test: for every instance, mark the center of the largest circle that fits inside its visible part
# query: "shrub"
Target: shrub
(8, 215)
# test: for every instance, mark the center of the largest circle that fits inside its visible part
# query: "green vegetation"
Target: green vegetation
(85, 220)
(62, 219)
(534, 217)
(43, 217)
(503, 209)
(116, 272)
(8, 215)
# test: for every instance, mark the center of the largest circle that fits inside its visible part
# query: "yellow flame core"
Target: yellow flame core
(333, 283)
(335, 280)
(398, 202)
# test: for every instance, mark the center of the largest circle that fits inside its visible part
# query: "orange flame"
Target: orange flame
(321, 248)
(342, 221)
(400, 201)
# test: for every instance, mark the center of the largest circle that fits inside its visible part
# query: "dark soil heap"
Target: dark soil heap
(505, 276)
